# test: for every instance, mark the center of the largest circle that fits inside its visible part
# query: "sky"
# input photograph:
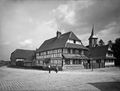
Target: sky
(26, 24)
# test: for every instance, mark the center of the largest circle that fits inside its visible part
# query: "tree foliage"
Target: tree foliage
(101, 42)
(116, 50)
(110, 42)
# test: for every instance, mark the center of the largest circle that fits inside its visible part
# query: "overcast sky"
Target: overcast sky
(27, 23)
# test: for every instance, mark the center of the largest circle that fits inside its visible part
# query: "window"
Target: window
(76, 51)
(48, 52)
(59, 62)
(71, 51)
(52, 55)
(41, 53)
(77, 42)
(55, 51)
(98, 61)
(67, 61)
(44, 53)
(19, 59)
(59, 50)
(68, 50)
(74, 41)
(76, 61)
(64, 50)
(41, 62)
(55, 55)
(82, 52)
(70, 41)
(55, 61)
(109, 49)
(37, 54)
(109, 54)
(38, 61)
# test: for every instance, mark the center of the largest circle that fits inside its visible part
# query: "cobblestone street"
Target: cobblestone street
(85, 80)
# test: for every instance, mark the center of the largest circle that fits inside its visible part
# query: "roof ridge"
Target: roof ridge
(68, 38)
(50, 38)
(65, 33)
(24, 49)
(60, 35)
(70, 34)
(55, 37)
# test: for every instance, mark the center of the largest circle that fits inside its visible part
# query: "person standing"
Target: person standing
(49, 67)
(56, 68)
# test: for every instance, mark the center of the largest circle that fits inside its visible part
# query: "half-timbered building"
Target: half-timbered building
(99, 55)
(65, 50)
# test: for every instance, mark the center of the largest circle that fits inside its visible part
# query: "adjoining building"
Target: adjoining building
(65, 51)
(21, 57)
(100, 55)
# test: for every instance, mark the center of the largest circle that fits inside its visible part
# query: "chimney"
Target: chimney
(58, 34)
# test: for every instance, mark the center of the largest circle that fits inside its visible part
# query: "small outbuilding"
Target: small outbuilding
(21, 57)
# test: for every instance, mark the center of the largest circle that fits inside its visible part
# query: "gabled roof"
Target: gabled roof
(98, 52)
(72, 36)
(55, 42)
(23, 54)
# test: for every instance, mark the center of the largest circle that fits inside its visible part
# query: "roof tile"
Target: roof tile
(60, 42)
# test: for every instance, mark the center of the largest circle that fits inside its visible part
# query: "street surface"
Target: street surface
(103, 79)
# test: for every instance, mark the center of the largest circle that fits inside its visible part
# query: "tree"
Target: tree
(110, 43)
(101, 43)
(116, 50)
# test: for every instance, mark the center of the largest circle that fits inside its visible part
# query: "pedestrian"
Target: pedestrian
(49, 67)
(56, 68)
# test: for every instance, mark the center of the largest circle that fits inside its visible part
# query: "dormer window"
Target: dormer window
(109, 54)
(70, 41)
(77, 42)
(109, 48)
(74, 41)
